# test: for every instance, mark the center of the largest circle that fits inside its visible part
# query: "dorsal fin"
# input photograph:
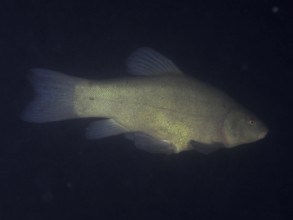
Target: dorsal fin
(146, 61)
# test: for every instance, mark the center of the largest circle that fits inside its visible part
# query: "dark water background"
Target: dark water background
(50, 171)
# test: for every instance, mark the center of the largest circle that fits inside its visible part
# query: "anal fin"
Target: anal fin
(104, 128)
(150, 144)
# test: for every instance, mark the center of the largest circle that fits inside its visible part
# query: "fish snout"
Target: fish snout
(263, 133)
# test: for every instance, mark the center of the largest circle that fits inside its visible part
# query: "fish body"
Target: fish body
(161, 109)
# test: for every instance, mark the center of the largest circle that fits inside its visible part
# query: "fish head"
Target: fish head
(242, 127)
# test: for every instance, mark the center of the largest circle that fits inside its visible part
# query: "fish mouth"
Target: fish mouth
(263, 133)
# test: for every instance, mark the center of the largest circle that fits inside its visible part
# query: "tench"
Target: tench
(161, 109)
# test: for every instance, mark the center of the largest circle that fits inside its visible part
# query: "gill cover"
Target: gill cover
(241, 127)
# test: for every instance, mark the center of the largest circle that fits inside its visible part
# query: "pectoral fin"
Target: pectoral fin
(150, 144)
(205, 148)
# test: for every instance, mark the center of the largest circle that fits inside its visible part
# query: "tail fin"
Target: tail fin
(54, 97)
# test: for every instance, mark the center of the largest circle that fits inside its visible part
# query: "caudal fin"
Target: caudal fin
(54, 97)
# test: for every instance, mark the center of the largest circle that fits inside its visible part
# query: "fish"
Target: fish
(158, 107)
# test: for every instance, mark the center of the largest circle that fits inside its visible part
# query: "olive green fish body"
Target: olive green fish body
(173, 108)
(162, 109)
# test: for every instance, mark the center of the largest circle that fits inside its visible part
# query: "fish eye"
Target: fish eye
(251, 122)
